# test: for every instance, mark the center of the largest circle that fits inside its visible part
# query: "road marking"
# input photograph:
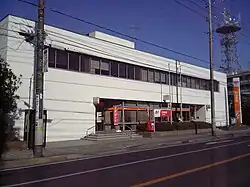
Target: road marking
(218, 142)
(100, 156)
(168, 177)
(122, 165)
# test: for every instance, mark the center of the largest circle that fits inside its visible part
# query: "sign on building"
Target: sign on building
(237, 100)
(116, 116)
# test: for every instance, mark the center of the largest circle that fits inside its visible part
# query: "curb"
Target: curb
(12, 164)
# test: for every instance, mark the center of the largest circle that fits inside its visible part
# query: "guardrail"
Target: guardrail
(131, 130)
(87, 131)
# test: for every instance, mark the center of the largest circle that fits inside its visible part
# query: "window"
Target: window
(197, 83)
(95, 65)
(144, 74)
(192, 82)
(163, 77)
(188, 82)
(122, 70)
(168, 78)
(62, 59)
(173, 79)
(150, 75)
(131, 72)
(104, 67)
(138, 73)
(74, 61)
(114, 69)
(203, 84)
(52, 59)
(184, 81)
(85, 63)
(157, 77)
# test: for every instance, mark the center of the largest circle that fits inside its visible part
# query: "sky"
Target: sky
(162, 22)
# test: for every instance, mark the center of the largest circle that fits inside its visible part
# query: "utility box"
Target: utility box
(29, 128)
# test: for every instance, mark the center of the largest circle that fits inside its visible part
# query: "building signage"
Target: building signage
(163, 113)
(116, 116)
(237, 100)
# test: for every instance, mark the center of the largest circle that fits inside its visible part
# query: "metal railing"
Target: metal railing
(87, 131)
(131, 130)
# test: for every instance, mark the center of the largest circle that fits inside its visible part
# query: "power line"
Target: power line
(187, 7)
(117, 32)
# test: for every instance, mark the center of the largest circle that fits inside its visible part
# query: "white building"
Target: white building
(83, 67)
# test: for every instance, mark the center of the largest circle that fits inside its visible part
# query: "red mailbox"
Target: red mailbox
(150, 125)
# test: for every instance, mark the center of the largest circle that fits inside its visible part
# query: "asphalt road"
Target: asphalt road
(213, 164)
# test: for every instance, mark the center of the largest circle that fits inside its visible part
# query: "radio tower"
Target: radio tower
(227, 30)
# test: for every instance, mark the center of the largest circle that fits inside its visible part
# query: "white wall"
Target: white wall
(69, 95)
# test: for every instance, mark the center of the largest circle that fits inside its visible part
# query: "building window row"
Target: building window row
(73, 61)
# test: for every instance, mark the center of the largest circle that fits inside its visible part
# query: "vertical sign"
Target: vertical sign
(237, 100)
(116, 117)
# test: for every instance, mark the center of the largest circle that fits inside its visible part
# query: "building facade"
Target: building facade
(91, 77)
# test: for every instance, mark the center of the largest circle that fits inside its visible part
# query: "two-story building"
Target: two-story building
(92, 76)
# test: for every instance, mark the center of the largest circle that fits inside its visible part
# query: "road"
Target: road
(224, 163)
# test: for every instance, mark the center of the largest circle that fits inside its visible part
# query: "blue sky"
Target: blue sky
(162, 22)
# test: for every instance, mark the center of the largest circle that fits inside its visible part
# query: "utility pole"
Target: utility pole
(177, 89)
(211, 67)
(39, 76)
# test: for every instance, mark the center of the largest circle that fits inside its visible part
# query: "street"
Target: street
(211, 164)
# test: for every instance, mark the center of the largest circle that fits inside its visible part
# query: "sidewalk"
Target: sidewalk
(70, 150)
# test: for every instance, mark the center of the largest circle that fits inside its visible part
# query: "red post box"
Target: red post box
(150, 125)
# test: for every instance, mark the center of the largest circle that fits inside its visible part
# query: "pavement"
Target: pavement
(220, 162)
(77, 149)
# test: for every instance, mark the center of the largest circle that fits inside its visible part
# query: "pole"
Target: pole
(123, 116)
(226, 106)
(181, 94)
(170, 94)
(39, 126)
(177, 95)
(211, 67)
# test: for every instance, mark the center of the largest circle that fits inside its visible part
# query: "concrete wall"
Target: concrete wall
(69, 95)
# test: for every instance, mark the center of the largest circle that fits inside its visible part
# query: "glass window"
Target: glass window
(188, 82)
(157, 77)
(52, 59)
(104, 67)
(85, 63)
(122, 70)
(197, 83)
(184, 81)
(95, 65)
(144, 74)
(150, 75)
(163, 77)
(192, 82)
(167, 78)
(138, 73)
(61, 59)
(74, 61)
(114, 69)
(173, 79)
(131, 71)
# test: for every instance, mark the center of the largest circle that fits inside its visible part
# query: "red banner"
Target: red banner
(237, 101)
(165, 113)
(116, 117)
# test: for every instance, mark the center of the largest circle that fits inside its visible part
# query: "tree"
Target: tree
(9, 84)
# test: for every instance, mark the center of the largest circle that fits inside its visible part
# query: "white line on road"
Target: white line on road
(218, 142)
(101, 156)
(122, 165)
